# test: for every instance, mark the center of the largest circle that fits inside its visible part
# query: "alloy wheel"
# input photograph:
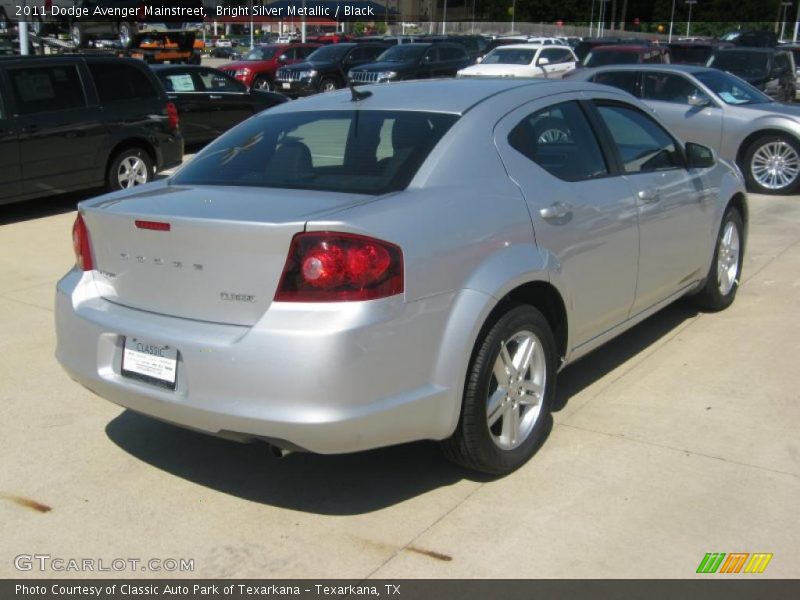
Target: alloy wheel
(775, 165)
(728, 258)
(516, 390)
(132, 171)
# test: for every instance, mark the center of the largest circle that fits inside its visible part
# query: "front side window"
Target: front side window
(731, 89)
(365, 152)
(601, 58)
(642, 144)
(44, 89)
(560, 140)
(667, 87)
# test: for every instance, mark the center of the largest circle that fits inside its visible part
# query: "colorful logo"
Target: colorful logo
(736, 562)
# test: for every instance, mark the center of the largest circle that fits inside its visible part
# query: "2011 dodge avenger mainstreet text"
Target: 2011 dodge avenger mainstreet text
(403, 262)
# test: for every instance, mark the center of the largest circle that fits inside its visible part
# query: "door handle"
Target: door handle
(30, 129)
(215, 97)
(649, 195)
(558, 210)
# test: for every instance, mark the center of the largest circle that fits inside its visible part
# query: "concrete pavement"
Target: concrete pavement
(677, 439)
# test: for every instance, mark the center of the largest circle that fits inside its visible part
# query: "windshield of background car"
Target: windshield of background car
(749, 64)
(509, 56)
(691, 55)
(402, 53)
(731, 89)
(610, 57)
(332, 53)
(357, 151)
(261, 53)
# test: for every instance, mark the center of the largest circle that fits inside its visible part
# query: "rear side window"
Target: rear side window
(667, 87)
(365, 152)
(45, 89)
(216, 81)
(643, 145)
(560, 140)
(120, 82)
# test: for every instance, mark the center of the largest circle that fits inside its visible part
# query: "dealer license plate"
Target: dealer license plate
(287, 86)
(149, 361)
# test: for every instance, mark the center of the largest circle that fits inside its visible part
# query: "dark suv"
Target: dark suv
(626, 54)
(413, 61)
(74, 122)
(326, 69)
(769, 69)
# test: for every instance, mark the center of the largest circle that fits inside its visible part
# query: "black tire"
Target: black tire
(133, 154)
(263, 83)
(329, 84)
(473, 444)
(78, 35)
(747, 164)
(712, 297)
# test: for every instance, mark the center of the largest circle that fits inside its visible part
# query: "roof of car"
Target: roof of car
(668, 68)
(454, 96)
(531, 46)
(751, 49)
(638, 48)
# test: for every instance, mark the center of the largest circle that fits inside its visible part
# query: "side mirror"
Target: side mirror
(479, 60)
(699, 157)
(699, 100)
(283, 58)
(543, 61)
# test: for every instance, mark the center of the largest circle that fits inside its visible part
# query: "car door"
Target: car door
(10, 170)
(546, 63)
(428, 64)
(59, 133)
(584, 215)
(185, 90)
(668, 95)
(228, 99)
(675, 215)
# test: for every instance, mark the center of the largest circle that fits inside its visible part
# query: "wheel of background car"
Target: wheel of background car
(772, 164)
(77, 35)
(551, 130)
(328, 85)
(509, 390)
(722, 280)
(126, 34)
(129, 168)
(262, 83)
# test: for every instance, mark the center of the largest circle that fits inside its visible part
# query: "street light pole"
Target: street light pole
(691, 3)
(671, 21)
(23, 34)
(252, 41)
(513, 15)
(591, 20)
(785, 6)
(796, 23)
(444, 18)
(602, 23)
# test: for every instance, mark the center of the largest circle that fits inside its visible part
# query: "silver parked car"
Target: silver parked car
(414, 261)
(719, 110)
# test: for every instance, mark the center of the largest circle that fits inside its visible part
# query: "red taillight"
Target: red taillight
(172, 116)
(340, 267)
(81, 245)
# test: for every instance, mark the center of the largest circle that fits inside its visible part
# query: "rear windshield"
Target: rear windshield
(748, 64)
(690, 55)
(611, 57)
(357, 151)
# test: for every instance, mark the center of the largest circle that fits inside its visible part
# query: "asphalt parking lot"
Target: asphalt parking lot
(677, 439)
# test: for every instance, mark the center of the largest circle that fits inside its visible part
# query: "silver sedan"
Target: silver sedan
(719, 110)
(413, 261)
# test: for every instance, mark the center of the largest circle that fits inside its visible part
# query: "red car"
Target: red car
(256, 69)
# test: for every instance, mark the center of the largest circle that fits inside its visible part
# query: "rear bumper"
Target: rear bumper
(328, 379)
(169, 152)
